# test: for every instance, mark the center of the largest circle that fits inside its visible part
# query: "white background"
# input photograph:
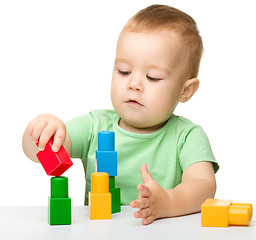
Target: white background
(57, 57)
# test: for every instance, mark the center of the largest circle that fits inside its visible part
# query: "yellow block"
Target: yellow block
(100, 183)
(214, 213)
(100, 206)
(222, 213)
(240, 214)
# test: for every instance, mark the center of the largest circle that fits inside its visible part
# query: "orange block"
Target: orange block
(100, 206)
(100, 197)
(240, 214)
(222, 213)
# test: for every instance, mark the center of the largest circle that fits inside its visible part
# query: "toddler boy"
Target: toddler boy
(157, 62)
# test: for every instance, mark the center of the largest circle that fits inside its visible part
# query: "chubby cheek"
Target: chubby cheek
(164, 105)
(115, 93)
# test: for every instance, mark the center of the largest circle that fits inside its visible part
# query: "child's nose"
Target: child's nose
(135, 83)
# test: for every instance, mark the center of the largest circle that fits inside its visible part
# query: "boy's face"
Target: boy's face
(148, 79)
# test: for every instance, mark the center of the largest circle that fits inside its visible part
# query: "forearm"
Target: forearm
(188, 196)
(198, 183)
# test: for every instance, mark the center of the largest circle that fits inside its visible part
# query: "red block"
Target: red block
(54, 163)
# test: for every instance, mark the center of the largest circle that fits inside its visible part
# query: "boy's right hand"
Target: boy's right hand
(43, 127)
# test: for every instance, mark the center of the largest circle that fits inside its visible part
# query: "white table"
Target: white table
(31, 223)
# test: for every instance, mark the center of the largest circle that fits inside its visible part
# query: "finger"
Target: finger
(143, 213)
(37, 130)
(148, 220)
(145, 174)
(140, 203)
(31, 126)
(59, 139)
(144, 191)
(46, 134)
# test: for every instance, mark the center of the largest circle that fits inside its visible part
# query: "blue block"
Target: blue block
(107, 162)
(106, 141)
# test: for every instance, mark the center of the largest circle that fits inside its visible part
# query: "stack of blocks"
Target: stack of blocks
(59, 202)
(55, 164)
(100, 197)
(104, 197)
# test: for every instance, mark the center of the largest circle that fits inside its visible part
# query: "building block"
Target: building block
(222, 213)
(106, 156)
(107, 162)
(59, 204)
(112, 182)
(106, 141)
(115, 200)
(115, 195)
(59, 187)
(59, 211)
(54, 163)
(99, 197)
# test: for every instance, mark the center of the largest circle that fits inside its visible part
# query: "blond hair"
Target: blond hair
(161, 17)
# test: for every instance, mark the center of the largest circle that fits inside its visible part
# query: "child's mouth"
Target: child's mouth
(134, 103)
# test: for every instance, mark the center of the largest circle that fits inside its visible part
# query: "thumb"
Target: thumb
(145, 175)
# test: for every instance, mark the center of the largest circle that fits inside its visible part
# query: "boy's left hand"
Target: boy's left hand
(153, 201)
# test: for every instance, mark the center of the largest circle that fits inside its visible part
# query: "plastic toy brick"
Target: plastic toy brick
(54, 163)
(107, 162)
(59, 187)
(106, 141)
(116, 200)
(59, 211)
(106, 155)
(112, 182)
(115, 196)
(99, 197)
(222, 213)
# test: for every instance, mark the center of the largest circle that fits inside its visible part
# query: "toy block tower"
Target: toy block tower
(59, 203)
(55, 164)
(106, 158)
(222, 213)
(100, 197)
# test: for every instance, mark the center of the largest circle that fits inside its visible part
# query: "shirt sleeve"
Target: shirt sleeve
(79, 130)
(195, 147)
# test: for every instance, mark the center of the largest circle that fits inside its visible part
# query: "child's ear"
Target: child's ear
(189, 89)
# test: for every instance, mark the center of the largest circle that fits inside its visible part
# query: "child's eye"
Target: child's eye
(124, 73)
(153, 78)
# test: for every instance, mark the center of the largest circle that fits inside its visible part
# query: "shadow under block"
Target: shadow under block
(115, 200)
(99, 197)
(222, 213)
(54, 163)
(59, 211)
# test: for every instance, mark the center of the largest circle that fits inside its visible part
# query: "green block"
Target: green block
(111, 182)
(59, 187)
(59, 211)
(116, 199)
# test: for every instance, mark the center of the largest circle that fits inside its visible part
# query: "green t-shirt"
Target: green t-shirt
(167, 152)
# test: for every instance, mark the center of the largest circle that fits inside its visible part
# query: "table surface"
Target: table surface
(32, 223)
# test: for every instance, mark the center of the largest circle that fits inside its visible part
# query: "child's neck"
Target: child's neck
(134, 129)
